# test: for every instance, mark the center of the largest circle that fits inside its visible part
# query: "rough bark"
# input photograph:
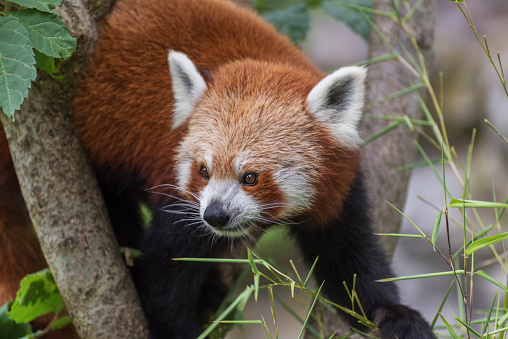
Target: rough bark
(395, 148)
(64, 200)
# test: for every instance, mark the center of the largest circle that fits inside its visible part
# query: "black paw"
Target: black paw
(401, 322)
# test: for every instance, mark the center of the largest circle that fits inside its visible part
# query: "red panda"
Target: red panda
(206, 104)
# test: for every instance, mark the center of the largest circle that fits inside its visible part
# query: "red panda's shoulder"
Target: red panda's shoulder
(124, 104)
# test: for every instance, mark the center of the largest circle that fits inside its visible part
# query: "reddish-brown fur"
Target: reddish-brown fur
(124, 110)
(141, 95)
(261, 95)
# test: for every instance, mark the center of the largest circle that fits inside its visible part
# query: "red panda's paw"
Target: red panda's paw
(402, 322)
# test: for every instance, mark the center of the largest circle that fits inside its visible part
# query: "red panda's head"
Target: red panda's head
(265, 143)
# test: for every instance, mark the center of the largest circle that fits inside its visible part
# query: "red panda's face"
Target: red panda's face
(249, 163)
(253, 153)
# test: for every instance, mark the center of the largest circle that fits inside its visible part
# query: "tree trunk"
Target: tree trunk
(395, 148)
(64, 200)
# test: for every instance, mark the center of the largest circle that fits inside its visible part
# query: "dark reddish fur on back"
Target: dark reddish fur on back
(133, 50)
(124, 117)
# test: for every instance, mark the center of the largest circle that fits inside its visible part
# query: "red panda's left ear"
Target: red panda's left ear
(337, 102)
(188, 86)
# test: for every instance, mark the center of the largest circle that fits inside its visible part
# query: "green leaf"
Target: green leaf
(449, 328)
(436, 228)
(61, 323)
(472, 330)
(8, 328)
(459, 203)
(227, 311)
(304, 326)
(350, 12)
(484, 275)
(484, 242)
(41, 5)
(293, 21)
(17, 61)
(47, 64)
(421, 276)
(38, 295)
(47, 33)
(310, 272)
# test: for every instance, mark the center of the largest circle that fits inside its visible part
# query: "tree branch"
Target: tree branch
(395, 148)
(64, 200)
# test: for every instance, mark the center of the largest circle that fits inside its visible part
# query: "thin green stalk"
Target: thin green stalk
(310, 312)
(412, 11)
(496, 130)
(400, 93)
(375, 60)
(484, 47)
(363, 9)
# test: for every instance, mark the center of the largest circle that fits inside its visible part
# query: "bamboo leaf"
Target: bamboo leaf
(234, 304)
(484, 242)
(436, 228)
(310, 311)
(401, 235)
(421, 276)
(449, 328)
(492, 280)
(310, 272)
(252, 262)
(478, 335)
(219, 260)
(459, 203)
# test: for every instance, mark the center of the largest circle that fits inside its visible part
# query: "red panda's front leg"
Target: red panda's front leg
(347, 246)
(175, 294)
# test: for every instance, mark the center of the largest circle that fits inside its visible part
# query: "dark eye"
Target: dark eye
(204, 172)
(250, 179)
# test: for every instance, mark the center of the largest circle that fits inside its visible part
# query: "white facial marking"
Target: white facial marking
(337, 102)
(188, 86)
(183, 173)
(240, 161)
(297, 189)
(208, 161)
(240, 206)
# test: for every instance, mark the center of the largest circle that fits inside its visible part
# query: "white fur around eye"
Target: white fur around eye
(188, 86)
(337, 102)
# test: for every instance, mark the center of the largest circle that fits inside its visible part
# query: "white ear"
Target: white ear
(188, 86)
(337, 102)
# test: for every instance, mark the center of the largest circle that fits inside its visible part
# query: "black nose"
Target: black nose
(215, 215)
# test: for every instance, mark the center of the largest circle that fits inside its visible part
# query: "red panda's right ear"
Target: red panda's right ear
(188, 86)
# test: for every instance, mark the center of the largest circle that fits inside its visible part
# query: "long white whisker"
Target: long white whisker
(171, 186)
